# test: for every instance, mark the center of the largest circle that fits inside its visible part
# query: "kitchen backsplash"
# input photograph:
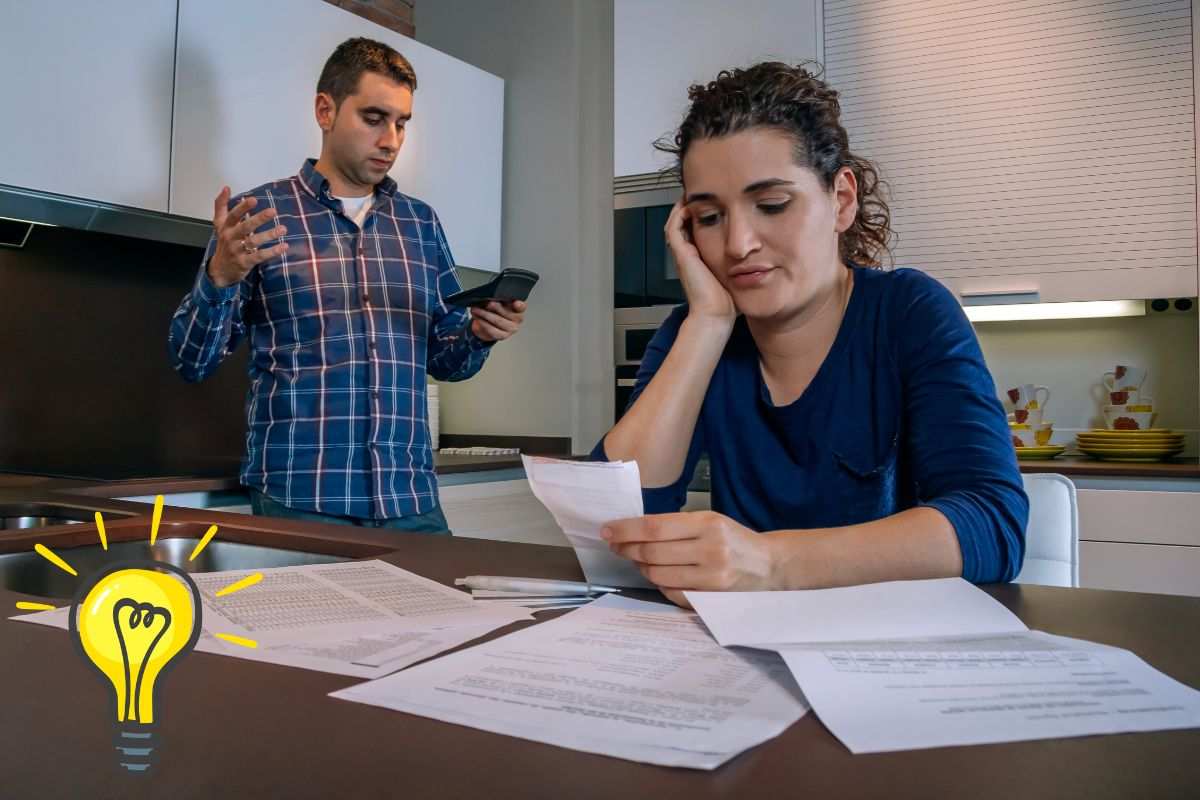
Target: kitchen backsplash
(1071, 356)
(88, 389)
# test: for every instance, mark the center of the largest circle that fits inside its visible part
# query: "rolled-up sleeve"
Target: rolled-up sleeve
(962, 454)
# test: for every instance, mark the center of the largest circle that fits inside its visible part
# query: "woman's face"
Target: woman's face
(766, 227)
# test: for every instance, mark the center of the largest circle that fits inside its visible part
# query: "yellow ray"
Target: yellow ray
(25, 605)
(158, 501)
(100, 529)
(229, 637)
(52, 557)
(249, 580)
(203, 543)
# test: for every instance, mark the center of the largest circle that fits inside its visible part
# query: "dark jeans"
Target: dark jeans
(433, 522)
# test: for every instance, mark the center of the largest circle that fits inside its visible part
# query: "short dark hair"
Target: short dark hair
(796, 101)
(340, 76)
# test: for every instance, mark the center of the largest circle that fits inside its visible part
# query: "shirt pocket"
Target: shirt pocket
(863, 480)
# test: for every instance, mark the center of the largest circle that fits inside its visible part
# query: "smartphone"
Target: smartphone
(511, 284)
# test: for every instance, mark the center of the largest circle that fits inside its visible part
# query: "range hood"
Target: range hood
(45, 208)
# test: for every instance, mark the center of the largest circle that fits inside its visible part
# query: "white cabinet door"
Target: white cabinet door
(87, 96)
(244, 95)
(662, 47)
(1139, 541)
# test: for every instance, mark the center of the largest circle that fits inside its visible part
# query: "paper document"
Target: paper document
(625, 678)
(916, 664)
(583, 496)
(918, 693)
(893, 610)
(360, 618)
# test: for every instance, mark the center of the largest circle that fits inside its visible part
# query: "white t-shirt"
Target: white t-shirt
(356, 208)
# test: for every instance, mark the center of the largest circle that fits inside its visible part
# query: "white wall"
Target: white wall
(555, 378)
(1070, 356)
(664, 46)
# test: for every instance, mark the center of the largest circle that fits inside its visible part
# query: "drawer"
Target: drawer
(1156, 568)
(1108, 515)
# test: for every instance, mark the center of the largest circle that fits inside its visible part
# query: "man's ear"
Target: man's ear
(326, 111)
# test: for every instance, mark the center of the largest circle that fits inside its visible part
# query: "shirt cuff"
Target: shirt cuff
(473, 341)
(210, 293)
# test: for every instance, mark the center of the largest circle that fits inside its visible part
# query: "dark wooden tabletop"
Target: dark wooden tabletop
(233, 728)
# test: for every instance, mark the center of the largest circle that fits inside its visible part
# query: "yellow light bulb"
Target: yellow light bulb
(133, 620)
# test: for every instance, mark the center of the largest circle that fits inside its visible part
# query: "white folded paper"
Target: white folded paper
(583, 496)
(916, 664)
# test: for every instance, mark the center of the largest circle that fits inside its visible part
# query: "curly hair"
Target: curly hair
(796, 101)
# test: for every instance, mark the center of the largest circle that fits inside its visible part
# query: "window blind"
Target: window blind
(1024, 137)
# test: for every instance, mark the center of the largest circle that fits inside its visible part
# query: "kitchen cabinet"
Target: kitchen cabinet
(88, 93)
(1139, 541)
(246, 79)
(663, 47)
(645, 273)
(1047, 154)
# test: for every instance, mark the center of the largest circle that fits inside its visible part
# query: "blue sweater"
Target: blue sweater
(902, 413)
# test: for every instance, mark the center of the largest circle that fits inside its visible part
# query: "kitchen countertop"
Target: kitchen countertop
(174, 484)
(238, 728)
(1083, 466)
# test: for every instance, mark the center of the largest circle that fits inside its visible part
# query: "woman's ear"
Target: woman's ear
(845, 199)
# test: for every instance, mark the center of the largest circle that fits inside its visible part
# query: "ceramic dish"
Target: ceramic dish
(1040, 453)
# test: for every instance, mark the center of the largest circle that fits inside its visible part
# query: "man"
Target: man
(338, 279)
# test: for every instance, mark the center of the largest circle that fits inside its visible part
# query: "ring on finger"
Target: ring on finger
(247, 246)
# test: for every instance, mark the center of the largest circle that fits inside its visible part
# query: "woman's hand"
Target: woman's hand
(698, 550)
(705, 295)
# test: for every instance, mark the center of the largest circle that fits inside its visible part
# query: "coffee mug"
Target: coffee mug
(1123, 397)
(1030, 435)
(1029, 397)
(1027, 416)
(1125, 378)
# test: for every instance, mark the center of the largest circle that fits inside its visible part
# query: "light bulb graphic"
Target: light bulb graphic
(131, 621)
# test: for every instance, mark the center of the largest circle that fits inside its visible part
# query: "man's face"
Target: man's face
(364, 134)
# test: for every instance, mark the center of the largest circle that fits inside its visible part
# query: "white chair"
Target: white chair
(1052, 537)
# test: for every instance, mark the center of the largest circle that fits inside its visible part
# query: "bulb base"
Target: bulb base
(135, 747)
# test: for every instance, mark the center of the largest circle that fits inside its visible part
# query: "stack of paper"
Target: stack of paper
(359, 618)
(583, 496)
(620, 677)
(915, 664)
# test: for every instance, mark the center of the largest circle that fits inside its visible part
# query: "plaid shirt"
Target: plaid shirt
(343, 328)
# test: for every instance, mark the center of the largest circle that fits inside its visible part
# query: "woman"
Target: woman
(846, 411)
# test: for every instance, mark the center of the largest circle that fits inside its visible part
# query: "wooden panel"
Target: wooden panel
(1029, 139)
(1109, 515)
(1157, 568)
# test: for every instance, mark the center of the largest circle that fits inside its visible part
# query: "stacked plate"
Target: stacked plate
(1154, 444)
(1040, 452)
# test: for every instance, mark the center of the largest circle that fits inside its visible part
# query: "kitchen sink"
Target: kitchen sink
(31, 574)
(21, 516)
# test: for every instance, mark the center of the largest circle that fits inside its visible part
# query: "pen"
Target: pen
(502, 583)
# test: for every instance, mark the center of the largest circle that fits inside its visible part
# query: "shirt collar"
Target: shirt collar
(317, 184)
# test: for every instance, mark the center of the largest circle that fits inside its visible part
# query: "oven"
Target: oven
(633, 328)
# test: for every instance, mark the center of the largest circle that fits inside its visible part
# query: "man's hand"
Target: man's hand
(700, 550)
(239, 248)
(497, 321)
